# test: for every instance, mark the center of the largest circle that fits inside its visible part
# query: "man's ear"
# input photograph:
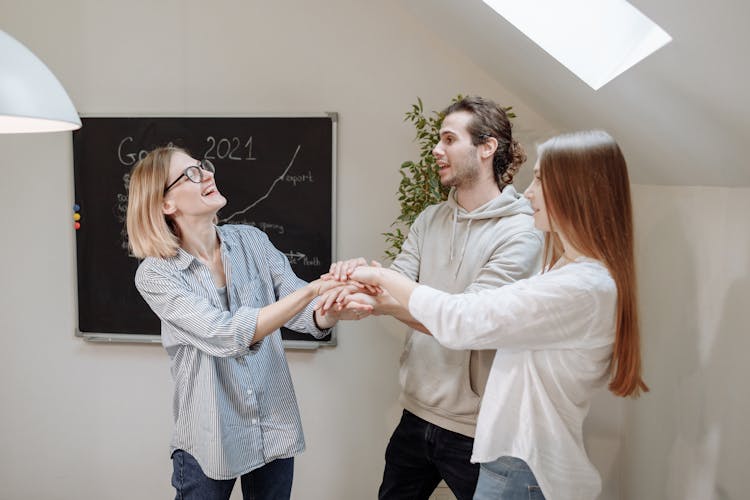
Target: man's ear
(168, 207)
(487, 148)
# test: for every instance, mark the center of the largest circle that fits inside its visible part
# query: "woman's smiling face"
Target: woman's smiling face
(187, 196)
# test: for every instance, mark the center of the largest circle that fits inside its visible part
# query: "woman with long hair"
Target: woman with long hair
(559, 335)
(222, 293)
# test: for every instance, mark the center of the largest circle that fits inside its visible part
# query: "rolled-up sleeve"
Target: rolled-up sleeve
(188, 318)
(286, 282)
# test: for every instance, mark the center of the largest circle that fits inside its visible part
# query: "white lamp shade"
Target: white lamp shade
(31, 98)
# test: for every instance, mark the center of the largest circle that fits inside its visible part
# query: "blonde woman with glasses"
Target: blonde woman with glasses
(222, 293)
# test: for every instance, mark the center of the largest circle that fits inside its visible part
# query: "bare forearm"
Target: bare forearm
(274, 316)
(416, 325)
(391, 307)
(397, 285)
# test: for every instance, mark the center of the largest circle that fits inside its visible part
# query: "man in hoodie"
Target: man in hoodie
(483, 236)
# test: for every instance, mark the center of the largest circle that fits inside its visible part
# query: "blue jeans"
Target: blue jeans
(273, 481)
(420, 454)
(507, 478)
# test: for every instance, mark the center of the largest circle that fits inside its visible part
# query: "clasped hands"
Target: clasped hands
(356, 298)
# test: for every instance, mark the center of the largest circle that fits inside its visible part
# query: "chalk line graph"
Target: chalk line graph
(267, 193)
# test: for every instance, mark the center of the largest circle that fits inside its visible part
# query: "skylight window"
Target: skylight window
(595, 39)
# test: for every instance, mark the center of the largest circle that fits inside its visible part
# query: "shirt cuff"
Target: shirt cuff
(420, 301)
(246, 332)
(323, 331)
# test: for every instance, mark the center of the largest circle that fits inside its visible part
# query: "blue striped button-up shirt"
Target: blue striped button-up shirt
(234, 404)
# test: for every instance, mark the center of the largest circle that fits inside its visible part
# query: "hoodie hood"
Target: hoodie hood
(508, 203)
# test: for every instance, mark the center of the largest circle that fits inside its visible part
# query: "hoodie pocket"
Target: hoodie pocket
(438, 378)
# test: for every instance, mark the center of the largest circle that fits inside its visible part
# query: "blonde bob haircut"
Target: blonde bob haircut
(150, 232)
(586, 189)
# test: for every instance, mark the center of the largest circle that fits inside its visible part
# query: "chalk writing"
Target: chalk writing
(226, 148)
(298, 258)
(270, 189)
(300, 178)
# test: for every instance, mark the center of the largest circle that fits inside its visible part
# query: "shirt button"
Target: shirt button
(249, 391)
(255, 421)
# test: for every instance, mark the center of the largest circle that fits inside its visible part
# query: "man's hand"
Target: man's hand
(341, 270)
(368, 275)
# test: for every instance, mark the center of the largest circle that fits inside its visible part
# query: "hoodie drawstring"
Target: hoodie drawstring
(463, 248)
(453, 232)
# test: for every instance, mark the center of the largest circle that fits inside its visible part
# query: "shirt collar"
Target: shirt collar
(183, 259)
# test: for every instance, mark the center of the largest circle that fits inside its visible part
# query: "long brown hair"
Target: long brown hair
(586, 190)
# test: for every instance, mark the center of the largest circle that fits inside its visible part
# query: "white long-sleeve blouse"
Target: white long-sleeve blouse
(554, 335)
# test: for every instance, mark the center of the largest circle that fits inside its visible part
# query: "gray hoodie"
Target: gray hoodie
(457, 251)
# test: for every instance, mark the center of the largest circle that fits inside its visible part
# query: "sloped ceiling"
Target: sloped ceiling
(681, 116)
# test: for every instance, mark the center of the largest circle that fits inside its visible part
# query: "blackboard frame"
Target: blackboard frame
(309, 342)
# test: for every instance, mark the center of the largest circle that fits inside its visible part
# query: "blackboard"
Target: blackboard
(277, 173)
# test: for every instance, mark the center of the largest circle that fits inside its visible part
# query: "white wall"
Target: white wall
(85, 420)
(93, 421)
(688, 439)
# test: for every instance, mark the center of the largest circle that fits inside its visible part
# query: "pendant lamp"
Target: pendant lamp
(31, 98)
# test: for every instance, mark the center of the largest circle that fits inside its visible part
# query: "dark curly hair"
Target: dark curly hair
(490, 120)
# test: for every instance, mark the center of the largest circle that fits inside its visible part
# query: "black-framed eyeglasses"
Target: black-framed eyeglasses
(194, 173)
